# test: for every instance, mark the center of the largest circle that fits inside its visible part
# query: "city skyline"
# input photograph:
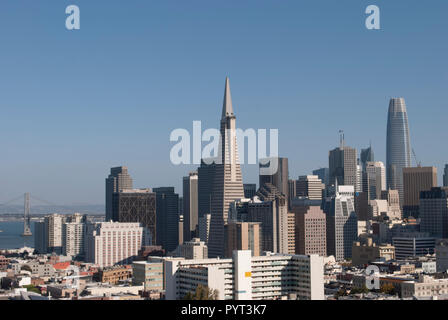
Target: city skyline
(69, 134)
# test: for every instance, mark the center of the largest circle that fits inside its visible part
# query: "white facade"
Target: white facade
(73, 234)
(244, 277)
(110, 243)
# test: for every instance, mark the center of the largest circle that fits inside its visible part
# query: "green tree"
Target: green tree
(202, 293)
(388, 288)
(32, 288)
(363, 289)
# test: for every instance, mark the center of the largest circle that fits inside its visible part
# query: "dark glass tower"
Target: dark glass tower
(398, 152)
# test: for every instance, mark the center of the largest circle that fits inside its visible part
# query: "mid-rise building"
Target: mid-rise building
(365, 253)
(193, 249)
(416, 180)
(393, 201)
(244, 277)
(148, 274)
(411, 245)
(53, 229)
(110, 243)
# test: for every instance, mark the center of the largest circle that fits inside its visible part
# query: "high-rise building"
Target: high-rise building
(376, 179)
(398, 149)
(280, 178)
(434, 212)
(118, 179)
(249, 190)
(167, 217)
(227, 182)
(190, 202)
(367, 155)
(73, 235)
(136, 205)
(292, 190)
(359, 178)
(445, 176)
(310, 187)
(342, 224)
(323, 174)
(243, 236)
(53, 228)
(343, 165)
(416, 180)
(110, 243)
(206, 174)
(40, 237)
(269, 207)
(310, 228)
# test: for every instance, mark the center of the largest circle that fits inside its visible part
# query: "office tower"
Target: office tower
(342, 224)
(167, 217)
(53, 228)
(136, 205)
(206, 174)
(204, 227)
(398, 149)
(343, 165)
(193, 249)
(393, 201)
(249, 190)
(323, 174)
(242, 236)
(434, 212)
(190, 202)
(416, 180)
(280, 178)
(310, 227)
(310, 187)
(445, 176)
(40, 237)
(359, 178)
(367, 155)
(118, 179)
(376, 179)
(247, 277)
(227, 182)
(269, 207)
(110, 243)
(413, 244)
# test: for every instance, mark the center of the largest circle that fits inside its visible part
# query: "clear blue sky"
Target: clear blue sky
(75, 103)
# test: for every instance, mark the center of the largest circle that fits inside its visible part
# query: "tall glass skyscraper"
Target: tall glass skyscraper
(398, 153)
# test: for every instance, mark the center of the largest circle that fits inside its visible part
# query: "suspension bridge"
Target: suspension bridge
(27, 209)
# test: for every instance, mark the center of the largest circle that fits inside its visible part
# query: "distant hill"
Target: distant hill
(42, 209)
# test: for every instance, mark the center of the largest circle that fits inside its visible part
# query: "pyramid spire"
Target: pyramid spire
(227, 108)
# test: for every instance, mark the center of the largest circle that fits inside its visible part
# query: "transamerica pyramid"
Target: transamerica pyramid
(227, 181)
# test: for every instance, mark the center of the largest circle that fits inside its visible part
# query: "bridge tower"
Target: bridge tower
(27, 217)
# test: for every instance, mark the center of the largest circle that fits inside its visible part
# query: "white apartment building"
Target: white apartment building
(424, 286)
(244, 277)
(73, 234)
(110, 243)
